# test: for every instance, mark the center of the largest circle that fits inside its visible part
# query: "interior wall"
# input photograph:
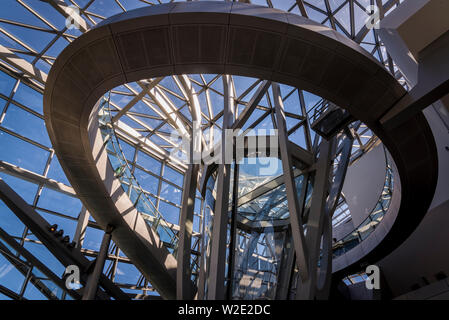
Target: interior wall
(363, 194)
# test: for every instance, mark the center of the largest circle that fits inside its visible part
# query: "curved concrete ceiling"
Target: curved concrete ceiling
(221, 38)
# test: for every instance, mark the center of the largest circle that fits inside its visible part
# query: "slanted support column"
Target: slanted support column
(233, 241)
(184, 288)
(292, 193)
(81, 226)
(92, 282)
(216, 285)
(340, 174)
(21, 64)
(306, 289)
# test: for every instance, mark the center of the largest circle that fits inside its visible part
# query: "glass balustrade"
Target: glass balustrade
(135, 192)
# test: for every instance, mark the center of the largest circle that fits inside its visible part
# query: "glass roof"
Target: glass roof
(35, 31)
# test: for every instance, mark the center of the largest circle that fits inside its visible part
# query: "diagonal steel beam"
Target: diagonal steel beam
(22, 65)
(216, 285)
(292, 199)
(251, 105)
(167, 108)
(41, 229)
(302, 8)
(36, 263)
(128, 133)
(33, 177)
(184, 272)
(315, 223)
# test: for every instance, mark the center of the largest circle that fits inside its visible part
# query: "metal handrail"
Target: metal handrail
(318, 110)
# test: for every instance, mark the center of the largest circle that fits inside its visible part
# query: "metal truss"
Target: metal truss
(58, 245)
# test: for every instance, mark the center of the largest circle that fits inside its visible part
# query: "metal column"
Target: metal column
(216, 286)
(92, 281)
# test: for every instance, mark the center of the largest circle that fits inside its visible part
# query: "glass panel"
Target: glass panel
(127, 274)
(34, 129)
(170, 213)
(171, 193)
(56, 172)
(24, 154)
(10, 277)
(173, 176)
(25, 189)
(149, 163)
(42, 253)
(29, 98)
(93, 238)
(6, 83)
(32, 293)
(59, 202)
(9, 221)
(147, 181)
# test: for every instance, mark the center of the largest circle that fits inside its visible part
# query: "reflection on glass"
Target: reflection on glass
(259, 233)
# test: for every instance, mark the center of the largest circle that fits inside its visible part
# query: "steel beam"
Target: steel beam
(9, 293)
(286, 269)
(340, 174)
(80, 232)
(27, 271)
(91, 288)
(21, 64)
(302, 8)
(307, 285)
(168, 109)
(184, 289)
(41, 229)
(33, 177)
(251, 105)
(216, 285)
(136, 99)
(125, 132)
(292, 199)
(36, 263)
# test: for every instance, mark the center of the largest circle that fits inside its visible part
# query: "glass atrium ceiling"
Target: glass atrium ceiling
(35, 31)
